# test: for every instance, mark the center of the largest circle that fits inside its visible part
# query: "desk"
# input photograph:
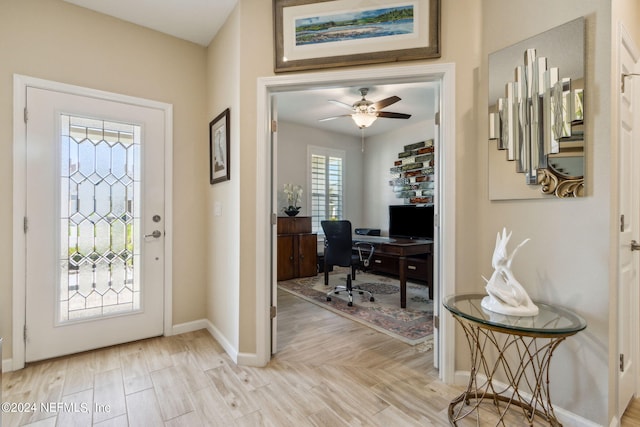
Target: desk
(533, 339)
(402, 257)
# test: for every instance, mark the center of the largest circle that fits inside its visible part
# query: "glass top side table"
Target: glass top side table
(510, 358)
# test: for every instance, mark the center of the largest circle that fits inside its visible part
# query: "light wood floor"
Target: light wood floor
(631, 417)
(329, 371)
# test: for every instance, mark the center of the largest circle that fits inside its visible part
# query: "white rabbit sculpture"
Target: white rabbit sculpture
(506, 294)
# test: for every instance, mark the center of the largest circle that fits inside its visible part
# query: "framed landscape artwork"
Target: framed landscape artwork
(219, 148)
(332, 33)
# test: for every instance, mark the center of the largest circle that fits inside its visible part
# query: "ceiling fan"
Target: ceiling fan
(365, 112)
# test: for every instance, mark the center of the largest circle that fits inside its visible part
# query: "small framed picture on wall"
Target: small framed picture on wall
(219, 148)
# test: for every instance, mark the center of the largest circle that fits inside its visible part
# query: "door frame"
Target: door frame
(20, 84)
(266, 87)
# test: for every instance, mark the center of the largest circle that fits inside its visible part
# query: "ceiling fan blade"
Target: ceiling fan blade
(386, 102)
(390, 115)
(333, 118)
(341, 104)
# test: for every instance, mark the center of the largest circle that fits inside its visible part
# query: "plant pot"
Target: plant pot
(292, 211)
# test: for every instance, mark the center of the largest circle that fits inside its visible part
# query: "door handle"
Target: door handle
(156, 234)
(635, 246)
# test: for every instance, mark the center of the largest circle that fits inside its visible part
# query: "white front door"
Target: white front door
(94, 223)
(629, 260)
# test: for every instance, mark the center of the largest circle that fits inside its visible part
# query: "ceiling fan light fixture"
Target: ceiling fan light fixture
(364, 119)
(365, 112)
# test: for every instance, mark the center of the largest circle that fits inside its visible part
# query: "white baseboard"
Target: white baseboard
(567, 418)
(7, 365)
(192, 326)
(249, 359)
(222, 340)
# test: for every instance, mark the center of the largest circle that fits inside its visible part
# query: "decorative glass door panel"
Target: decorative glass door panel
(99, 218)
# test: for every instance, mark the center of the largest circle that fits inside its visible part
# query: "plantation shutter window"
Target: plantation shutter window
(327, 192)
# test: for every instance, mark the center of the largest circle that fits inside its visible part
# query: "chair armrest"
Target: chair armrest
(371, 250)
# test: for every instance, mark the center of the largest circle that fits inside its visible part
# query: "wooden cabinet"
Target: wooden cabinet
(297, 248)
(294, 224)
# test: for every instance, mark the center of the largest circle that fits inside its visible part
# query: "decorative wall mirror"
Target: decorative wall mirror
(536, 116)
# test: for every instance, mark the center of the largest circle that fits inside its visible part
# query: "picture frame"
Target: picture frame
(220, 148)
(313, 34)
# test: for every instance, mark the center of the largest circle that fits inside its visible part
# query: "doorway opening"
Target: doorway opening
(441, 76)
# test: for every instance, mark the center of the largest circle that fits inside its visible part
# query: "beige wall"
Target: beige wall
(256, 59)
(567, 261)
(379, 156)
(240, 53)
(54, 40)
(294, 141)
(223, 255)
(460, 41)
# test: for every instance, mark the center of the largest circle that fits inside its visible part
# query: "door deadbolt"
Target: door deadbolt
(156, 218)
(635, 246)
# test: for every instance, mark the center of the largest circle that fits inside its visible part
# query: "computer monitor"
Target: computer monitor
(411, 221)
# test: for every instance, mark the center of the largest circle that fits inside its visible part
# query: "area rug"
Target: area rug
(413, 325)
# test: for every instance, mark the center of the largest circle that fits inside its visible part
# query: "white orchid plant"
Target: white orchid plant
(294, 194)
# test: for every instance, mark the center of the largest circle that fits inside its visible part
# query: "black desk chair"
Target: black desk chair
(338, 250)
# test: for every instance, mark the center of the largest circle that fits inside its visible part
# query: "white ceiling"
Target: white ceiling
(309, 106)
(198, 21)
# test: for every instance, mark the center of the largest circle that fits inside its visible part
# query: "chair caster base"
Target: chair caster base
(350, 293)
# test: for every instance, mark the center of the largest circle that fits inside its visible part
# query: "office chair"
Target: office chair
(338, 250)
